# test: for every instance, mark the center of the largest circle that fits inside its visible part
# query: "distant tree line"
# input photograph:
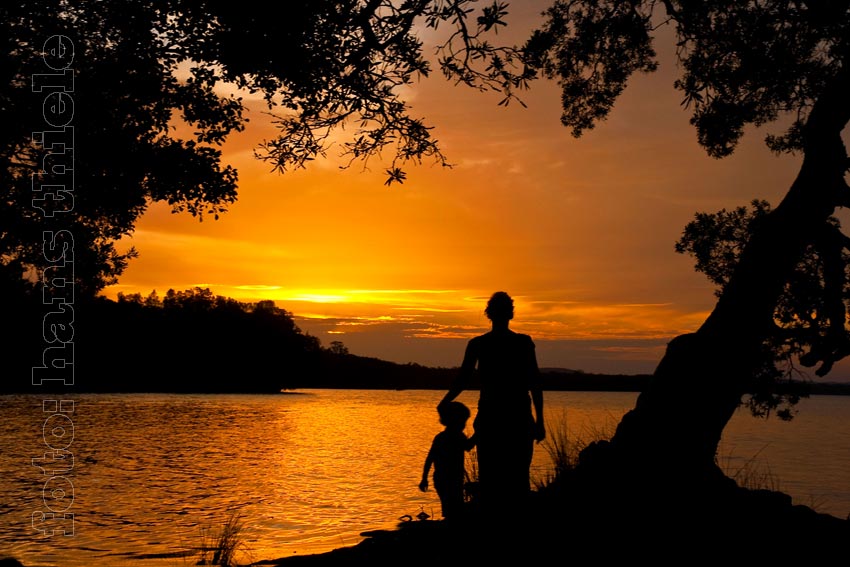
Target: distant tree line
(195, 341)
(185, 341)
(192, 341)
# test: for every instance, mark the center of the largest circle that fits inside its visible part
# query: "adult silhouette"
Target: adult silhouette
(505, 429)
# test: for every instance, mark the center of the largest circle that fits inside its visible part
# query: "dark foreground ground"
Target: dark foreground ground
(728, 526)
(573, 524)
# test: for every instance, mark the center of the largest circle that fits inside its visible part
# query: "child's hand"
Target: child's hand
(423, 486)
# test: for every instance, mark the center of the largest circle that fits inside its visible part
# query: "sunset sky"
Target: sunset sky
(579, 231)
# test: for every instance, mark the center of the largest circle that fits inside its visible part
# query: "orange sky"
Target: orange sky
(579, 231)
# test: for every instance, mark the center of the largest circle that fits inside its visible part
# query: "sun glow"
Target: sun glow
(315, 298)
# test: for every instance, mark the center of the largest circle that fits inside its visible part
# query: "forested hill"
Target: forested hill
(186, 341)
(193, 341)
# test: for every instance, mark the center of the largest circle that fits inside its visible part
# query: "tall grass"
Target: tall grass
(754, 473)
(470, 481)
(563, 446)
(220, 548)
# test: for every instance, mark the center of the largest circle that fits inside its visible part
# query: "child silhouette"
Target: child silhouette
(447, 457)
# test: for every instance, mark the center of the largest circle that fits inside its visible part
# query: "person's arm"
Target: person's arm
(467, 367)
(429, 460)
(454, 391)
(539, 427)
(536, 396)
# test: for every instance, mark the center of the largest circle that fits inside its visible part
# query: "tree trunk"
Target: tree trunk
(674, 429)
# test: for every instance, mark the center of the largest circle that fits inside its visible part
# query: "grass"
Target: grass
(754, 473)
(220, 548)
(563, 446)
(470, 484)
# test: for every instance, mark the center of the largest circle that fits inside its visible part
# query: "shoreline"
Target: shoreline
(749, 524)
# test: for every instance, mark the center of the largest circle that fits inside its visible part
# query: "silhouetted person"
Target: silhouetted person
(447, 455)
(505, 429)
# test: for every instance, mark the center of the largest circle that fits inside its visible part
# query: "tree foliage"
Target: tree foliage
(155, 92)
(195, 341)
(192, 341)
(782, 273)
(124, 152)
(591, 49)
(716, 241)
(742, 63)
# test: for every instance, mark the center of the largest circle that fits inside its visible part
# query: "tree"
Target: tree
(338, 348)
(743, 63)
(716, 241)
(192, 341)
(93, 92)
(109, 145)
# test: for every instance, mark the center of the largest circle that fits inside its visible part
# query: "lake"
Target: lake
(154, 475)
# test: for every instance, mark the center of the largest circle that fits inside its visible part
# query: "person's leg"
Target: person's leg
(451, 500)
(516, 483)
(504, 460)
(490, 475)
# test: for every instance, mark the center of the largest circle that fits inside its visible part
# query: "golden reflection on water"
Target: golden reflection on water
(306, 472)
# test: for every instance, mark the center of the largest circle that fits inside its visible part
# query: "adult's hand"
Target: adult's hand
(539, 431)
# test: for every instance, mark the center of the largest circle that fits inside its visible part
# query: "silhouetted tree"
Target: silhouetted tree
(124, 73)
(338, 347)
(108, 71)
(192, 341)
(716, 241)
(742, 63)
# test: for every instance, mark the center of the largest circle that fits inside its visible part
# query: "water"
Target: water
(156, 474)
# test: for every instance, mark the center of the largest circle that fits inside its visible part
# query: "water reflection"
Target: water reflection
(307, 472)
